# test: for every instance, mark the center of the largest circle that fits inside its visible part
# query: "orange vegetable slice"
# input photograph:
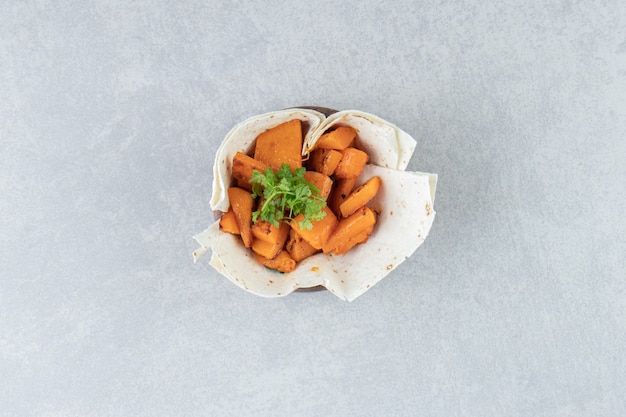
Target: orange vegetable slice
(359, 197)
(345, 246)
(351, 164)
(299, 248)
(281, 262)
(266, 249)
(349, 228)
(339, 139)
(321, 230)
(343, 188)
(280, 144)
(321, 181)
(241, 202)
(324, 161)
(228, 223)
(269, 239)
(243, 165)
(267, 232)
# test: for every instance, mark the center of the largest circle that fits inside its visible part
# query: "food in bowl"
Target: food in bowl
(348, 214)
(286, 208)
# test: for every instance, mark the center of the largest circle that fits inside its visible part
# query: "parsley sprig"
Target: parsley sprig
(285, 196)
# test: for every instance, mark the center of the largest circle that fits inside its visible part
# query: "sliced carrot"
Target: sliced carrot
(346, 245)
(339, 138)
(280, 144)
(299, 248)
(350, 227)
(321, 181)
(269, 233)
(360, 196)
(228, 222)
(269, 239)
(241, 202)
(243, 165)
(281, 262)
(321, 230)
(343, 188)
(324, 161)
(266, 249)
(351, 164)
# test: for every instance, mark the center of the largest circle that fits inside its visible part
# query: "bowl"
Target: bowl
(404, 203)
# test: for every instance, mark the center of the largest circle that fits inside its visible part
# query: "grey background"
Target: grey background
(110, 115)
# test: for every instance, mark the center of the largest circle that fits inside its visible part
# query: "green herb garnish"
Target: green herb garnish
(286, 195)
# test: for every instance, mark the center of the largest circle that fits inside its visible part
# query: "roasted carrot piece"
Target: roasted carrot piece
(324, 161)
(281, 262)
(360, 196)
(343, 188)
(345, 246)
(269, 233)
(241, 202)
(321, 230)
(321, 181)
(299, 248)
(350, 227)
(243, 165)
(280, 144)
(228, 222)
(351, 164)
(339, 138)
(266, 249)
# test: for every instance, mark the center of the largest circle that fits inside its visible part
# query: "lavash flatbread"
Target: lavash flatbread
(404, 202)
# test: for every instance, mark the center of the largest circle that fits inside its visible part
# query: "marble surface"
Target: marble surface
(111, 113)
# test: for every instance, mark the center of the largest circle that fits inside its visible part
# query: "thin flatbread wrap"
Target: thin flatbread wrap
(405, 206)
